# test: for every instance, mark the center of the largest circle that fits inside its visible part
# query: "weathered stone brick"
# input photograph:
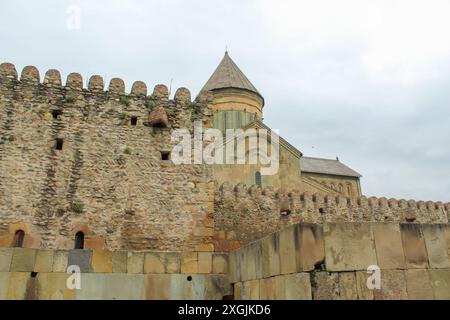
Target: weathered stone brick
(189, 262)
(436, 244)
(349, 246)
(102, 261)
(393, 286)
(414, 246)
(119, 261)
(23, 260)
(44, 261)
(5, 259)
(219, 263)
(135, 262)
(388, 244)
(440, 282)
(418, 284)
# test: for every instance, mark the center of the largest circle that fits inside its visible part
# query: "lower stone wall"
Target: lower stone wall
(309, 261)
(42, 274)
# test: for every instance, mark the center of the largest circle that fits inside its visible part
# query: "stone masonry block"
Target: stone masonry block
(189, 262)
(135, 262)
(436, 244)
(393, 286)
(53, 286)
(267, 289)
(80, 258)
(288, 263)
(347, 286)
(271, 255)
(418, 284)
(234, 266)
(17, 288)
(440, 282)
(119, 261)
(205, 262)
(414, 246)
(297, 286)
(154, 262)
(44, 261)
(309, 246)
(364, 293)
(250, 290)
(349, 246)
(60, 259)
(388, 245)
(324, 285)
(172, 262)
(102, 261)
(220, 263)
(23, 260)
(4, 284)
(5, 259)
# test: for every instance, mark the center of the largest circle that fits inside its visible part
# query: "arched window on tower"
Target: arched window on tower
(79, 240)
(258, 181)
(18, 238)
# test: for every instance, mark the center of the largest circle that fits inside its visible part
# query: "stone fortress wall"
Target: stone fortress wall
(109, 180)
(330, 261)
(153, 224)
(245, 214)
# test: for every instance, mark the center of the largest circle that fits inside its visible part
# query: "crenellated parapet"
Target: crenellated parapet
(251, 212)
(30, 87)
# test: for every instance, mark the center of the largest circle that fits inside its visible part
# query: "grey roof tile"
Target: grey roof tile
(228, 75)
(326, 166)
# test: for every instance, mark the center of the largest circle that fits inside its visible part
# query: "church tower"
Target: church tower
(236, 101)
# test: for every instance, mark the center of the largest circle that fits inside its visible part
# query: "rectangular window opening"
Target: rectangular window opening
(59, 144)
(165, 155)
(134, 121)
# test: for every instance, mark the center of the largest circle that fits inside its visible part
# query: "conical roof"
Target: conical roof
(228, 75)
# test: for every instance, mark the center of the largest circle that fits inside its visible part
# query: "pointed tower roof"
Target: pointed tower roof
(228, 75)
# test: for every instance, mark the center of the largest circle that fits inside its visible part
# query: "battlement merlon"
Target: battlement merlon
(30, 77)
(328, 207)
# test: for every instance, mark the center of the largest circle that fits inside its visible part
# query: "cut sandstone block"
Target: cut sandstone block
(205, 262)
(436, 244)
(44, 261)
(53, 286)
(135, 262)
(349, 246)
(297, 286)
(220, 263)
(393, 286)
(154, 262)
(23, 260)
(250, 290)
(233, 260)
(189, 262)
(60, 259)
(364, 293)
(288, 261)
(325, 286)
(102, 261)
(4, 284)
(119, 261)
(388, 245)
(80, 258)
(17, 288)
(271, 255)
(440, 282)
(414, 246)
(418, 284)
(267, 289)
(309, 246)
(5, 259)
(347, 286)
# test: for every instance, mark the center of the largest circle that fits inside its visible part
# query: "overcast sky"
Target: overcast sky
(368, 81)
